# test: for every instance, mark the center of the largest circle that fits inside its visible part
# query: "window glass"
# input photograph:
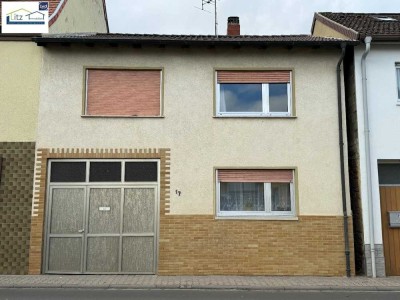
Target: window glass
(389, 173)
(241, 97)
(278, 97)
(280, 197)
(105, 171)
(68, 172)
(240, 196)
(140, 171)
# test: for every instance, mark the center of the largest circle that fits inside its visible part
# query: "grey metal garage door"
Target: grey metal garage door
(101, 228)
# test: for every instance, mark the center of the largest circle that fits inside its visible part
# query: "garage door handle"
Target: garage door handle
(81, 231)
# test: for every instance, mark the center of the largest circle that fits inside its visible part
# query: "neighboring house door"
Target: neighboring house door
(389, 180)
(103, 226)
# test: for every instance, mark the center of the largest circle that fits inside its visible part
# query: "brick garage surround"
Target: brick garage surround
(202, 245)
(16, 182)
(39, 198)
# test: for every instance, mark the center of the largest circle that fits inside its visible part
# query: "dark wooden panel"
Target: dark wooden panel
(390, 201)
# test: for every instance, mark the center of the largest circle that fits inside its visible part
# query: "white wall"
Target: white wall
(81, 16)
(384, 117)
(198, 141)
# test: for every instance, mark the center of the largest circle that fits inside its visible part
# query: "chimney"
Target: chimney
(233, 26)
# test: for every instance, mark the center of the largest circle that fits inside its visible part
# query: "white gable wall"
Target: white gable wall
(384, 117)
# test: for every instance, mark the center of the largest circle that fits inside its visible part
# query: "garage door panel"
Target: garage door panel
(67, 207)
(104, 210)
(65, 254)
(138, 254)
(102, 254)
(139, 210)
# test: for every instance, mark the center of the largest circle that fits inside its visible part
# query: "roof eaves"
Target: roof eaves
(349, 32)
(382, 37)
(313, 23)
(187, 40)
(106, 16)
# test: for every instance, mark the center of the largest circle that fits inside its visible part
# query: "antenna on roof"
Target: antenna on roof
(210, 2)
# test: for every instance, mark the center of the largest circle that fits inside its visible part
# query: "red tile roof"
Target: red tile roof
(380, 26)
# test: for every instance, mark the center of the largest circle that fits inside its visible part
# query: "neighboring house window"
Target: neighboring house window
(255, 193)
(398, 82)
(254, 93)
(124, 93)
(389, 173)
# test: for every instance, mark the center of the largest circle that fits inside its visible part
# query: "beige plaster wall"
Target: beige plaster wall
(80, 16)
(326, 31)
(198, 141)
(20, 64)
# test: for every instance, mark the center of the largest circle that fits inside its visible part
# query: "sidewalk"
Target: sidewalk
(200, 282)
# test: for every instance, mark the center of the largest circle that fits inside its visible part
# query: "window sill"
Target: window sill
(124, 117)
(254, 117)
(258, 218)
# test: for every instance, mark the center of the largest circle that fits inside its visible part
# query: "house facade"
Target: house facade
(21, 62)
(372, 79)
(189, 155)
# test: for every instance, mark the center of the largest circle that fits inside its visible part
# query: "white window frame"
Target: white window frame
(397, 65)
(265, 102)
(267, 203)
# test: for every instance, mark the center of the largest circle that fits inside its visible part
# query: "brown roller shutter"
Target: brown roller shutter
(253, 76)
(123, 92)
(255, 175)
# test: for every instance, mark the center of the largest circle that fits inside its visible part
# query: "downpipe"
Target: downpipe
(367, 41)
(342, 168)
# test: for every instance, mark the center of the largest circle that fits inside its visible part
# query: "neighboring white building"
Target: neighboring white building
(373, 107)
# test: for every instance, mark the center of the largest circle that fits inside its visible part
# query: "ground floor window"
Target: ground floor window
(255, 192)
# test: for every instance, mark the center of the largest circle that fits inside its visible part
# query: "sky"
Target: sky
(258, 17)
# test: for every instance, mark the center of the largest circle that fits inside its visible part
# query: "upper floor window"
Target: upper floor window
(398, 82)
(123, 93)
(254, 93)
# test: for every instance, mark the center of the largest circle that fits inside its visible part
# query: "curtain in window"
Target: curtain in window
(280, 197)
(242, 196)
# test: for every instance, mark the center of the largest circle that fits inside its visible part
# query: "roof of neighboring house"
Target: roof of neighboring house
(381, 26)
(156, 39)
